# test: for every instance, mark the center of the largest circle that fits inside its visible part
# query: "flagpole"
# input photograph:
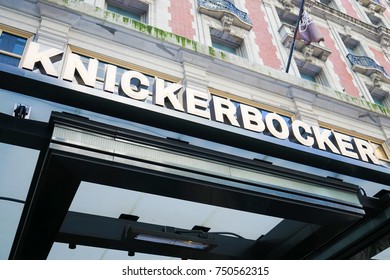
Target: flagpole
(295, 35)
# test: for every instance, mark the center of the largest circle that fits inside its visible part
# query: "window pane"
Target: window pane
(12, 43)
(224, 47)
(351, 50)
(19, 46)
(308, 77)
(9, 60)
(10, 213)
(124, 12)
(378, 101)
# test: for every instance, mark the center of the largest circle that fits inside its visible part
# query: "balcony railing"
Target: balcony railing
(367, 66)
(216, 9)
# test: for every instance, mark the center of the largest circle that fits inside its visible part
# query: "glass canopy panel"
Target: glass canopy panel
(111, 202)
(10, 213)
(17, 168)
(384, 255)
(60, 251)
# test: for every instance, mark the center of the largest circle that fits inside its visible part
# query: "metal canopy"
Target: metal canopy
(46, 217)
(311, 220)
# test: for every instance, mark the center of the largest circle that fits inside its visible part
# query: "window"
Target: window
(226, 42)
(375, 20)
(133, 9)
(311, 72)
(378, 100)
(329, 3)
(287, 17)
(308, 77)
(353, 46)
(11, 48)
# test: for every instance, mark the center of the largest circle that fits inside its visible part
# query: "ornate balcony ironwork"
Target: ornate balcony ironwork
(368, 67)
(218, 8)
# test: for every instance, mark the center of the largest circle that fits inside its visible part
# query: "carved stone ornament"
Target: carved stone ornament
(376, 79)
(287, 4)
(324, 56)
(371, 8)
(385, 42)
(308, 52)
(227, 22)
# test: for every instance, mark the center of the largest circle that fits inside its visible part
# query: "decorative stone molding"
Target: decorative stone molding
(287, 34)
(385, 42)
(286, 4)
(347, 31)
(372, 5)
(227, 21)
(376, 79)
(220, 8)
(308, 53)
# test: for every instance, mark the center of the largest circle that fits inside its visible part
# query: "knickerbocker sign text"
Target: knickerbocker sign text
(136, 85)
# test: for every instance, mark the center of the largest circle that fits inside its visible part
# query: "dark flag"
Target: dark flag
(308, 31)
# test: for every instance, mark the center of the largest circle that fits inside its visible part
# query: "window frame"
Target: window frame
(144, 16)
(375, 19)
(320, 76)
(240, 49)
(329, 3)
(21, 34)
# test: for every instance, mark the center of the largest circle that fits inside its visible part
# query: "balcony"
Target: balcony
(219, 8)
(315, 50)
(374, 5)
(368, 67)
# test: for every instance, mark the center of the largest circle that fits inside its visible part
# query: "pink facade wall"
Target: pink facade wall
(264, 39)
(386, 13)
(181, 18)
(381, 59)
(340, 65)
(350, 9)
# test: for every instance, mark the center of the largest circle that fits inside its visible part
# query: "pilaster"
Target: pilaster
(54, 26)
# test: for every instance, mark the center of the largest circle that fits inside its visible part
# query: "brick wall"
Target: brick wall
(263, 36)
(182, 18)
(340, 66)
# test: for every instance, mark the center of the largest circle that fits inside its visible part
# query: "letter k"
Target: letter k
(32, 56)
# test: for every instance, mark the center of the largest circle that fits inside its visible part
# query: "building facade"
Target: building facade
(136, 129)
